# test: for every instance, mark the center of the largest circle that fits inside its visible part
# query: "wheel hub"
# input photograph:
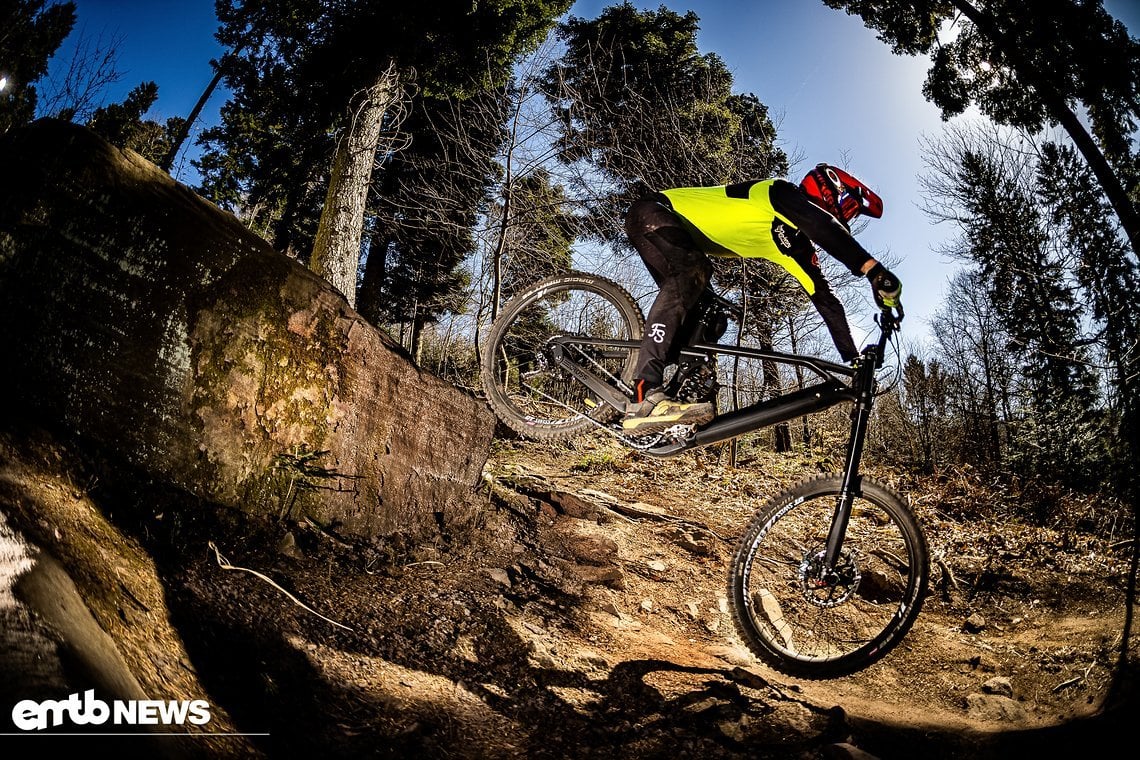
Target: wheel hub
(824, 586)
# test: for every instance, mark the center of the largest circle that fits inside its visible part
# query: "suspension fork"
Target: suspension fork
(852, 480)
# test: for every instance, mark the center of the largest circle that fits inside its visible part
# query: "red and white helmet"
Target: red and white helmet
(840, 194)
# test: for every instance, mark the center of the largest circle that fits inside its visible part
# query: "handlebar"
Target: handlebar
(893, 313)
(889, 320)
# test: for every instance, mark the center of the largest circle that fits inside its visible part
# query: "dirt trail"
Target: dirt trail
(587, 618)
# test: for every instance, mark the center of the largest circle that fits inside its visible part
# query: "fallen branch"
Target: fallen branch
(947, 574)
(225, 565)
(1067, 684)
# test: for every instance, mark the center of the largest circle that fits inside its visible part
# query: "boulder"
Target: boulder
(143, 320)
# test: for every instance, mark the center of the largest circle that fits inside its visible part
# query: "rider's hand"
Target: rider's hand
(884, 286)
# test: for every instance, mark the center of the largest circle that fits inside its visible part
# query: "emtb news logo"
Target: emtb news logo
(30, 715)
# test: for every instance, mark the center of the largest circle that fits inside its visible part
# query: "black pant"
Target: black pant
(680, 269)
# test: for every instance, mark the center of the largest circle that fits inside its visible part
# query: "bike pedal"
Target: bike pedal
(680, 432)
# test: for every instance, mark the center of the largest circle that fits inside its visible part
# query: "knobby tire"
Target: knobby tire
(524, 387)
(812, 629)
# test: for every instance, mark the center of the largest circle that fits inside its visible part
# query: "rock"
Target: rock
(733, 655)
(599, 495)
(158, 328)
(736, 730)
(844, 751)
(881, 587)
(573, 505)
(594, 550)
(626, 623)
(544, 662)
(744, 676)
(498, 575)
(287, 546)
(598, 576)
(649, 509)
(609, 607)
(701, 547)
(994, 708)
(974, 624)
(999, 685)
(592, 661)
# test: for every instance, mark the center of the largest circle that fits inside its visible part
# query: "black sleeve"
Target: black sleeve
(835, 318)
(820, 227)
(826, 303)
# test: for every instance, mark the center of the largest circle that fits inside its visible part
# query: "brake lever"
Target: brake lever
(892, 315)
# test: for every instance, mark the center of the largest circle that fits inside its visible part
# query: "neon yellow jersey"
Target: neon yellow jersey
(738, 226)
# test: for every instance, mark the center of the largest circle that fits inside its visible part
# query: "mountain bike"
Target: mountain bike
(830, 575)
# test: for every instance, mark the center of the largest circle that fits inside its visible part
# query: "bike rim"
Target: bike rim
(850, 613)
(526, 374)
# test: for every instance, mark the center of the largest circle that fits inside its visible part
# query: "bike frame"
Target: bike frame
(857, 386)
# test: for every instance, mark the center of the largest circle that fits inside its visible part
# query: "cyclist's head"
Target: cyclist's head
(840, 194)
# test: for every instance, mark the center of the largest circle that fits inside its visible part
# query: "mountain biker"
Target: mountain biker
(676, 230)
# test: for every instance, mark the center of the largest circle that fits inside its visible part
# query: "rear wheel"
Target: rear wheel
(811, 621)
(526, 388)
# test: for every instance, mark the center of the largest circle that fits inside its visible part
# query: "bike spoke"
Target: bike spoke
(528, 383)
(811, 617)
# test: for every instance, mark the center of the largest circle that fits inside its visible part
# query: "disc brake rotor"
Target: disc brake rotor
(828, 587)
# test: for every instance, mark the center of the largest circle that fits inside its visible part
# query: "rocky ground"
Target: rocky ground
(588, 619)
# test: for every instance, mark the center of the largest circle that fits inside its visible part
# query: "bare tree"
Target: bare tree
(74, 91)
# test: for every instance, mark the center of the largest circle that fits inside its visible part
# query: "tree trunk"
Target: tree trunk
(157, 331)
(184, 132)
(782, 434)
(336, 250)
(371, 294)
(805, 423)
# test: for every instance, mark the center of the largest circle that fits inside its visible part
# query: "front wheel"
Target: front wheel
(527, 387)
(809, 620)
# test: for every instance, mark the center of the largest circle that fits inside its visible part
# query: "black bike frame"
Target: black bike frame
(858, 388)
(814, 398)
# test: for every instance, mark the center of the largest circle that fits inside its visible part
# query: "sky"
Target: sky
(835, 92)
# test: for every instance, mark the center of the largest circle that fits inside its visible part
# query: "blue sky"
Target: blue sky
(797, 56)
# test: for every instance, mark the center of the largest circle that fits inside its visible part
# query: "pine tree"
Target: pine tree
(30, 33)
(1029, 67)
(425, 210)
(123, 124)
(1056, 429)
(644, 108)
(1113, 282)
(314, 86)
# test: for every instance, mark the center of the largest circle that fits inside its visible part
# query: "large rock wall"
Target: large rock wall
(140, 318)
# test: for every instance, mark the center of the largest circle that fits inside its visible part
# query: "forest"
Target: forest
(460, 176)
(430, 175)
(428, 188)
